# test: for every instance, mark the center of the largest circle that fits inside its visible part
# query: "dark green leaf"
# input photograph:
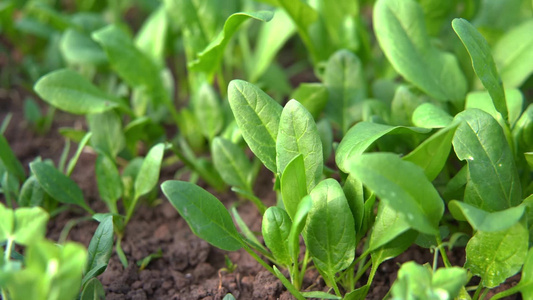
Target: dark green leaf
(297, 135)
(101, 246)
(31, 193)
(71, 92)
(57, 185)
(404, 186)
(353, 189)
(494, 183)
(258, 116)
(298, 224)
(206, 216)
(330, 231)
(483, 63)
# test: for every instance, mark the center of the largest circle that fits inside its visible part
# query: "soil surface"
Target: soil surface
(189, 268)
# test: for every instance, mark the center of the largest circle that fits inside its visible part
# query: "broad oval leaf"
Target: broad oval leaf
(483, 63)
(57, 185)
(258, 116)
(276, 229)
(297, 135)
(71, 92)
(486, 221)
(428, 115)
(107, 132)
(513, 55)
(232, 164)
(208, 110)
(149, 172)
(101, 245)
(346, 85)
(79, 48)
(293, 185)
(496, 256)
(401, 32)
(204, 213)
(361, 136)
(209, 59)
(404, 186)
(330, 231)
(494, 182)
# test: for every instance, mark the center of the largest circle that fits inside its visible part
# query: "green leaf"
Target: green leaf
(271, 38)
(389, 225)
(299, 221)
(209, 59)
(330, 233)
(297, 135)
(513, 56)
(428, 115)
(483, 63)
(404, 186)
(10, 161)
(101, 246)
(483, 220)
(406, 99)
(293, 185)
(361, 136)
(313, 96)
(526, 280)
(494, 183)
(496, 256)
(451, 280)
(523, 129)
(151, 38)
(232, 163)
(401, 33)
(393, 248)
(107, 132)
(78, 48)
(108, 181)
(30, 225)
(121, 52)
(258, 116)
(74, 159)
(57, 185)
(93, 290)
(206, 216)
(326, 137)
(320, 295)
(354, 192)
(482, 100)
(208, 110)
(276, 228)
(71, 92)
(347, 89)
(31, 193)
(433, 153)
(149, 172)
(8, 223)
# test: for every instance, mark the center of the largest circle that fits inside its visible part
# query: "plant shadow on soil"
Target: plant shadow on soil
(189, 268)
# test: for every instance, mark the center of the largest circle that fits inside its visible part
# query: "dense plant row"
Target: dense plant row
(419, 130)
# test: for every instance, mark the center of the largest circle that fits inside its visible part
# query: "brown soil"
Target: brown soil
(190, 268)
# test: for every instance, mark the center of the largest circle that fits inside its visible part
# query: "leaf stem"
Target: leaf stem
(478, 291)
(442, 251)
(9, 247)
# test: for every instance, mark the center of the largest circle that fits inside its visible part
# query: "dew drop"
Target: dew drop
(470, 158)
